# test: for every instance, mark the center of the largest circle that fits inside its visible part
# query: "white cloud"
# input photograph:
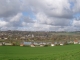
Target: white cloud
(76, 23)
(3, 23)
(16, 17)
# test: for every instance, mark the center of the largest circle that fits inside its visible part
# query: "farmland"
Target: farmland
(66, 52)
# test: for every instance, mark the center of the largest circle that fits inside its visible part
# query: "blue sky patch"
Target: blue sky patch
(29, 14)
(71, 5)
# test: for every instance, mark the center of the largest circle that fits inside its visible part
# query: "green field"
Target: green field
(67, 52)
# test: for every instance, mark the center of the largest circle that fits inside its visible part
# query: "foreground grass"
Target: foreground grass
(67, 52)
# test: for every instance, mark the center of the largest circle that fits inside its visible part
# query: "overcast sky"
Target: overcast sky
(40, 15)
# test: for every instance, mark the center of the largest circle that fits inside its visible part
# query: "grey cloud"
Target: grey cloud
(9, 7)
(27, 19)
(62, 22)
(44, 19)
(52, 8)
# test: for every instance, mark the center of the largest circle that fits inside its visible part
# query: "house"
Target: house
(3, 43)
(76, 42)
(37, 44)
(41, 45)
(27, 43)
(52, 44)
(61, 44)
(70, 42)
(21, 44)
(79, 41)
(8, 43)
(32, 45)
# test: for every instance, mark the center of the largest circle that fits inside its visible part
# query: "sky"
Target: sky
(40, 15)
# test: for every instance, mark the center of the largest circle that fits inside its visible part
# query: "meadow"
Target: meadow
(67, 52)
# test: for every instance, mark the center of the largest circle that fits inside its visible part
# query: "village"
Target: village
(37, 39)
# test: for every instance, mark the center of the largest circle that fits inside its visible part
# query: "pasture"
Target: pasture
(67, 52)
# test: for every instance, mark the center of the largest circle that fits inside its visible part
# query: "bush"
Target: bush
(45, 45)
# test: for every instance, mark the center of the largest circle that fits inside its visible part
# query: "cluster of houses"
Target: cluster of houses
(41, 44)
(35, 44)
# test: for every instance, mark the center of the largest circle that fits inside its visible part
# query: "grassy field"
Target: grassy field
(67, 52)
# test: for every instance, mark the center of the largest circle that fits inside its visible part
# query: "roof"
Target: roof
(27, 43)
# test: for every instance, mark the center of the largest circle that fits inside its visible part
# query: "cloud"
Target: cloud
(28, 19)
(9, 7)
(54, 15)
(16, 17)
(3, 23)
(76, 23)
(44, 19)
(52, 8)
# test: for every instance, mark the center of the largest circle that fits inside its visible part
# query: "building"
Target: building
(76, 42)
(32, 45)
(52, 44)
(8, 43)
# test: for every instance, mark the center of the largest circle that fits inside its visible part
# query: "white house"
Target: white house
(32, 45)
(41, 45)
(52, 44)
(61, 44)
(76, 42)
(8, 43)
